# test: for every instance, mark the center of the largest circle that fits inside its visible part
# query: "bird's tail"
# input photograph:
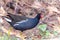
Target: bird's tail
(7, 19)
(10, 16)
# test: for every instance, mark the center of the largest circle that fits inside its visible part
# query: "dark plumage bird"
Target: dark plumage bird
(24, 24)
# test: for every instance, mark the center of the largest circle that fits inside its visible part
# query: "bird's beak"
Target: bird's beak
(41, 16)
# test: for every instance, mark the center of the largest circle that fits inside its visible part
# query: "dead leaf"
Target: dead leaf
(1, 20)
(52, 8)
(57, 28)
(36, 4)
(58, 19)
(2, 11)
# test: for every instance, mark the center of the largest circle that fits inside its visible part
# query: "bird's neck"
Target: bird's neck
(38, 16)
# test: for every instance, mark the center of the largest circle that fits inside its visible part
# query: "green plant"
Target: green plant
(55, 32)
(6, 37)
(42, 27)
(43, 31)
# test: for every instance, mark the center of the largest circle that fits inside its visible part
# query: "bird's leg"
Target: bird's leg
(22, 35)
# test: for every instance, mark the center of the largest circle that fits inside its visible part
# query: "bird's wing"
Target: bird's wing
(17, 17)
(23, 21)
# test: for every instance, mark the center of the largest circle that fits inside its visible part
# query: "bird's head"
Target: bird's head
(39, 16)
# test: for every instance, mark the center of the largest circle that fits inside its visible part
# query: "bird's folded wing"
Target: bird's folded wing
(17, 17)
(23, 21)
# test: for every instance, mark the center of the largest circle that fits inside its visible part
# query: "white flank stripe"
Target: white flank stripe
(23, 21)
